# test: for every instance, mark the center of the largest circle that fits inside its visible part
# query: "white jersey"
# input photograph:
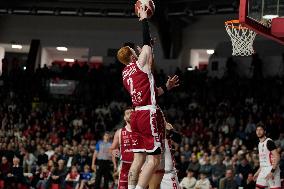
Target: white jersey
(169, 160)
(170, 179)
(265, 156)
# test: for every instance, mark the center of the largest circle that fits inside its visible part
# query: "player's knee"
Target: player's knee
(154, 162)
(137, 164)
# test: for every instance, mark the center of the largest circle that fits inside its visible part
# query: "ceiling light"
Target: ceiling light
(17, 46)
(24, 67)
(62, 48)
(190, 68)
(69, 60)
(270, 16)
(210, 51)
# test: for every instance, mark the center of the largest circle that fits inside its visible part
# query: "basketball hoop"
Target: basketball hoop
(242, 38)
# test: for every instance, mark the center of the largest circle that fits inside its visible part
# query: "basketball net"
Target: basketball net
(242, 38)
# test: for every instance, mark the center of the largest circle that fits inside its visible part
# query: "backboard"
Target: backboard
(266, 17)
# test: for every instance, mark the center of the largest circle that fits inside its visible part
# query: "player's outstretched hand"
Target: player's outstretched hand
(142, 13)
(116, 153)
(172, 82)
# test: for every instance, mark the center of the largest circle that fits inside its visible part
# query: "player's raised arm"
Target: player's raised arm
(146, 56)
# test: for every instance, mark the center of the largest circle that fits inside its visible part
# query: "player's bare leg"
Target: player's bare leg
(156, 180)
(139, 159)
(150, 166)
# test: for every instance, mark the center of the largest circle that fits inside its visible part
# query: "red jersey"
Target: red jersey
(126, 146)
(140, 85)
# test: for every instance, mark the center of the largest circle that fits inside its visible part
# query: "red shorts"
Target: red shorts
(123, 176)
(148, 130)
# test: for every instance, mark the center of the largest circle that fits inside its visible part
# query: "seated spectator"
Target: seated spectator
(5, 168)
(182, 166)
(29, 161)
(15, 178)
(203, 182)
(250, 183)
(194, 164)
(228, 182)
(43, 177)
(82, 159)
(218, 170)
(206, 167)
(243, 169)
(72, 179)
(86, 178)
(189, 181)
(42, 158)
(50, 165)
(58, 175)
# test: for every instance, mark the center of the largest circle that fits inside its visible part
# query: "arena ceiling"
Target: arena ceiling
(169, 18)
(114, 8)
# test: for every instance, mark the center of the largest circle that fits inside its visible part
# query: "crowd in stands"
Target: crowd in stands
(52, 142)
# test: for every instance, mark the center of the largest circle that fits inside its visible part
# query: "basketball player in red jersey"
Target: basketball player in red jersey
(122, 140)
(146, 121)
(268, 174)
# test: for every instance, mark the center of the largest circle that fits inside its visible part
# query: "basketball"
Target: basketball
(148, 5)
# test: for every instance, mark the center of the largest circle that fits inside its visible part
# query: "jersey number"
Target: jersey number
(130, 83)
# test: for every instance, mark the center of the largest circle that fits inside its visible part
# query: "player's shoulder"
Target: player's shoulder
(268, 139)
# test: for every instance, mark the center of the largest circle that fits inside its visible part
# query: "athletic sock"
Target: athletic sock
(139, 187)
(131, 187)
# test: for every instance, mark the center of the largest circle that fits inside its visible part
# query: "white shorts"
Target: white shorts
(170, 181)
(275, 183)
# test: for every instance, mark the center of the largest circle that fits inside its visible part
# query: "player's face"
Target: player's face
(127, 114)
(260, 132)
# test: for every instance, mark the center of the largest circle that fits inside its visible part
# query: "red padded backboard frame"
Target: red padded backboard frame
(254, 25)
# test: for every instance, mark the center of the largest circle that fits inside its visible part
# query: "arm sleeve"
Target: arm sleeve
(146, 32)
(271, 145)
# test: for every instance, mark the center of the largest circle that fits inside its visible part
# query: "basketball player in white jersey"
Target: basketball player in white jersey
(268, 174)
(166, 175)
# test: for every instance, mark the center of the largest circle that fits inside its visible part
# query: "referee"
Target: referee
(101, 163)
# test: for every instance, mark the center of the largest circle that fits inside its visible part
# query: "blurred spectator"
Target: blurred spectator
(243, 170)
(43, 177)
(58, 175)
(194, 164)
(42, 157)
(228, 182)
(15, 178)
(72, 178)
(86, 178)
(250, 183)
(203, 182)
(182, 166)
(29, 162)
(206, 167)
(189, 181)
(5, 168)
(218, 170)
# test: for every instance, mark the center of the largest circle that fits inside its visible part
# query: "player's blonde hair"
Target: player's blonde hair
(124, 55)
